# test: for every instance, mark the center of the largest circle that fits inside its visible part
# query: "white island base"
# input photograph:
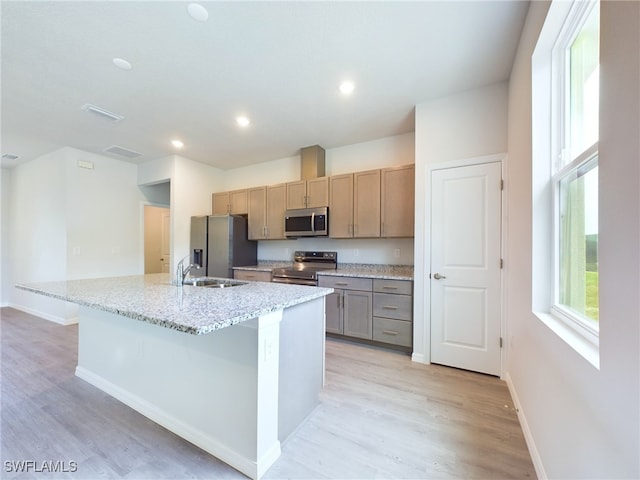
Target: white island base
(237, 392)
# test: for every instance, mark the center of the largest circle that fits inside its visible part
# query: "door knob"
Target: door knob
(437, 276)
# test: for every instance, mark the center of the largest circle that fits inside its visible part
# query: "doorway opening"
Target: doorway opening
(157, 239)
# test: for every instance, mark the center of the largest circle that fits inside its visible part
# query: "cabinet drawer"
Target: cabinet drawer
(392, 306)
(252, 275)
(396, 332)
(346, 283)
(402, 287)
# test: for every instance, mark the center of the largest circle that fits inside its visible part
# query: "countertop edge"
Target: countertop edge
(319, 292)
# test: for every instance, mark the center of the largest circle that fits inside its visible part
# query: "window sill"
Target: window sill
(585, 344)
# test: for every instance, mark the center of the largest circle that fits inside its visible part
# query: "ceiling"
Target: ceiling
(279, 63)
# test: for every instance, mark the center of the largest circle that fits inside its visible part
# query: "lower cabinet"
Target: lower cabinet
(393, 312)
(349, 310)
(370, 309)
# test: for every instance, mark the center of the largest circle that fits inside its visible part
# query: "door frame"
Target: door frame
(147, 203)
(466, 162)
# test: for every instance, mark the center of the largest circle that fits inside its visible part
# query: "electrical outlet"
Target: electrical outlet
(76, 250)
(396, 253)
(356, 252)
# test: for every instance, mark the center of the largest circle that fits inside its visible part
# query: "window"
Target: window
(565, 69)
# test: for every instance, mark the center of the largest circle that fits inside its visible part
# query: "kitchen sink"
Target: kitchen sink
(212, 282)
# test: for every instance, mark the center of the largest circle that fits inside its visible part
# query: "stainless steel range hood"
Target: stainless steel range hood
(312, 162)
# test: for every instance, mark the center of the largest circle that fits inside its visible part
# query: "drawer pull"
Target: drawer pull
(389, 307)
(389, 288)
(342, 283)
(389, 332)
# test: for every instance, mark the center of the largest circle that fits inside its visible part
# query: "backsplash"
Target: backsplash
(379, 251)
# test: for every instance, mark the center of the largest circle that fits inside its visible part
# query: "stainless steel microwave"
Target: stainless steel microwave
(306, 222)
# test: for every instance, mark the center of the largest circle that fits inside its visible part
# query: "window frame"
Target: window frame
(550, 139)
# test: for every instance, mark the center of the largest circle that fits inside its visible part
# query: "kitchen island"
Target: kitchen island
(233, 370)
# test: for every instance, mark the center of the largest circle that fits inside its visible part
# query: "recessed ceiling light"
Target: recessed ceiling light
(347, 88)
(122, 63)
(243, 121)
(177, 143)
(198, 12)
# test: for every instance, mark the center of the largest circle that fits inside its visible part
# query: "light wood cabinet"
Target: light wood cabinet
(349, 310)
(341, 206)
(276, 206)
(354, 205)
(266, 212)
(366, 204)
(393, 312)
(370, 309)
(234, 202)
(257, 218)
(309, 193)
(397, 201)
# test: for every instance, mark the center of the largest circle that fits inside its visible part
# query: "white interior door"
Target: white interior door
(465, 267)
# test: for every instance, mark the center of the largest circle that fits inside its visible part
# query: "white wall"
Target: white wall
(381, 153)
(581, 422)
(191, 185)
(5, 202)
(101, 216)
(467, 125)
(68, 222)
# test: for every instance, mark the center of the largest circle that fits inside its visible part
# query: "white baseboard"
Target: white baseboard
(419, 358)
(528, 436)
(46, 316)
(253, 469)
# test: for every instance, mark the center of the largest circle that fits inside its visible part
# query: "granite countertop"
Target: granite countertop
(195, 310)
(266, 266)
(365, 270)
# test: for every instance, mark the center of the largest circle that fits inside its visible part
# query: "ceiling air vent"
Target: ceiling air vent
(122, 152)
(114, 117)
(10, 156)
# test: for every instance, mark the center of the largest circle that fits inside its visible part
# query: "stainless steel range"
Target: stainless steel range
(305, 268)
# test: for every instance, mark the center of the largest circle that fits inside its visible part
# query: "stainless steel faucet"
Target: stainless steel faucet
(182, 272)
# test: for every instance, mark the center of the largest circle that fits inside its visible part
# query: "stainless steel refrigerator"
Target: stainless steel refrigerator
(219, 243)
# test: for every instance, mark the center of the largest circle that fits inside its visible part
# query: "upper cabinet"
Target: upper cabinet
(341, 206)
(397, 201)
(266, 212)
(310, 193)
(374, 203)
(354, 205)
(369, 204)
(235, 202)
(366, 204)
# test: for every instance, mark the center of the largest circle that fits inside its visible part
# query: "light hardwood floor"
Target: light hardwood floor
(381, 416)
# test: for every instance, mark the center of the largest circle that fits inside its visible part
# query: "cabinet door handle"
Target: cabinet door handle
(389, 307)
(389, 332)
